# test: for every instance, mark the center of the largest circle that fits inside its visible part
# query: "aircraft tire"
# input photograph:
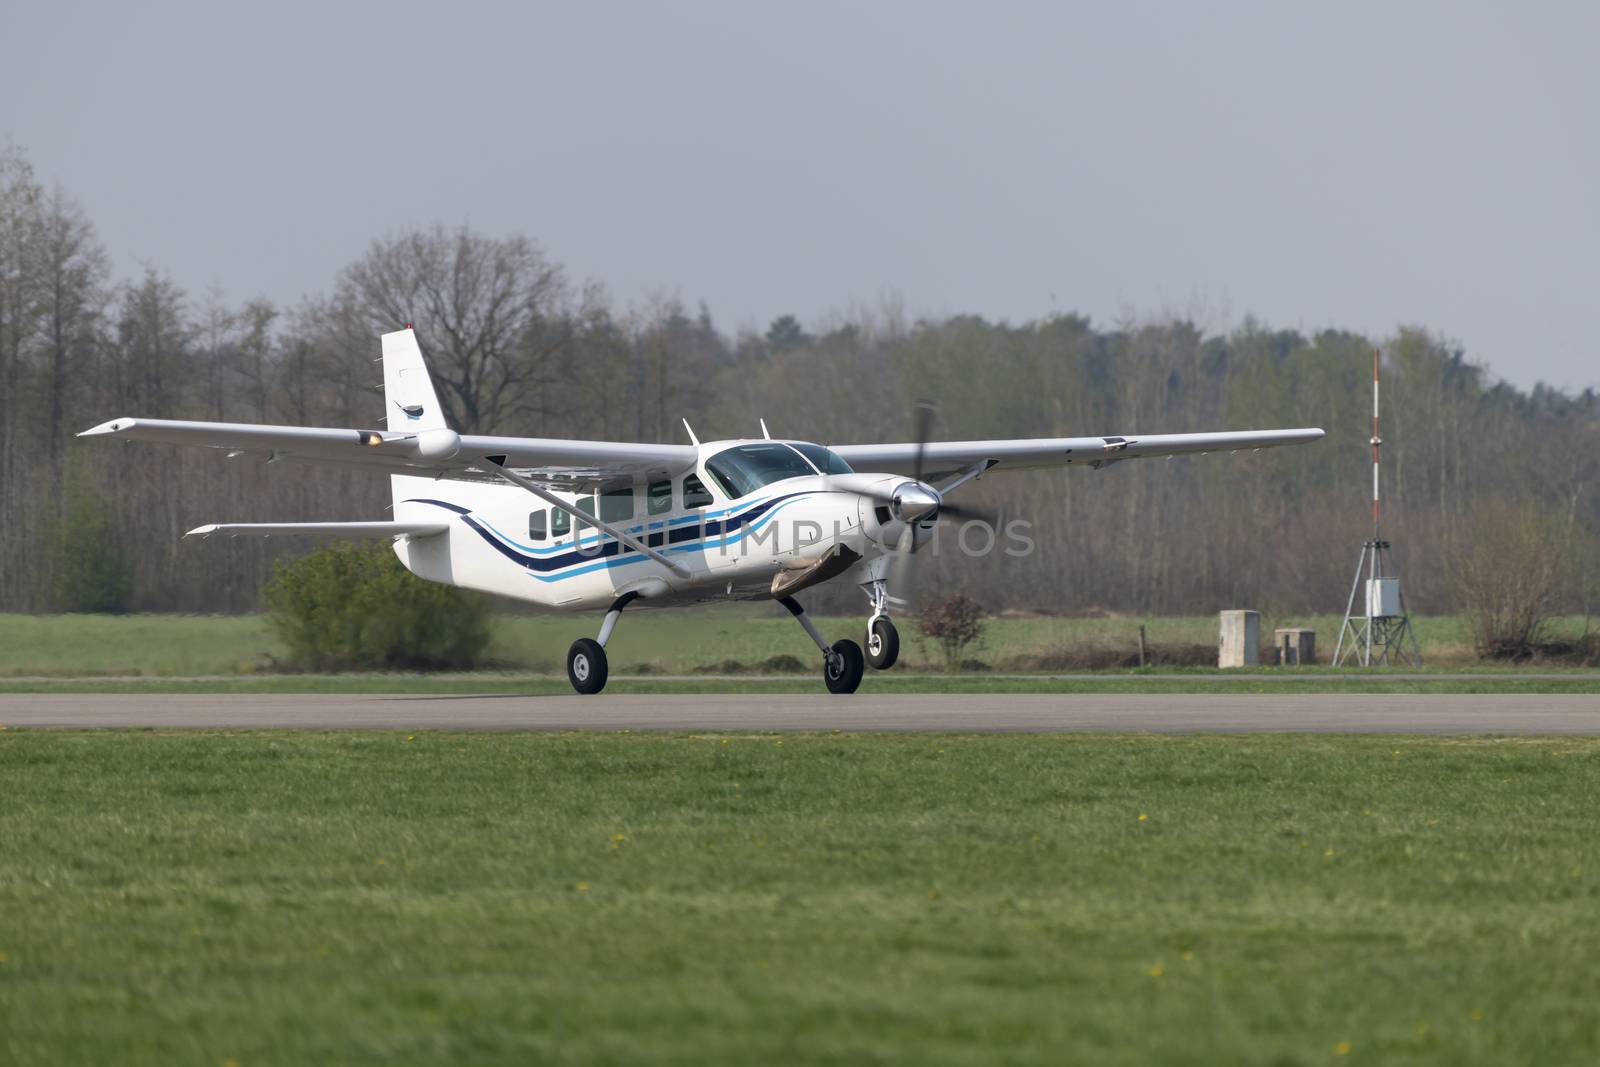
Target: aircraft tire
(842, 671)
(586, 666)
(883, 644)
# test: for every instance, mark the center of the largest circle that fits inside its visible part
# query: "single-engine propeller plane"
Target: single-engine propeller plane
(586, 525)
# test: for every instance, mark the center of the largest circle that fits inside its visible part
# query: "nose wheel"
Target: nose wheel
(883, 640)
(883, 643)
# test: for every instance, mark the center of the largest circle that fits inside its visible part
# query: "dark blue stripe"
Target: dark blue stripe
(608, 548)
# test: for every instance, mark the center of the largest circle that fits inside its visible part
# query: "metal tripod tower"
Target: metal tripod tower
(1384, 635)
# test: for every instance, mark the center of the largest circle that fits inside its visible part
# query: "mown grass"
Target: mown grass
(292, 898)
(1576, 681)
(674, 642)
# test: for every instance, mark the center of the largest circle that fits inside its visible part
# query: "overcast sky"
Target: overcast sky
(1354, 165)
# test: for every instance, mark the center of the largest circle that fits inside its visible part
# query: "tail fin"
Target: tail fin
(407, 389)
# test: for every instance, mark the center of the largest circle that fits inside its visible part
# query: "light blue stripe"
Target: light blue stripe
(568, 546)
(618, 561)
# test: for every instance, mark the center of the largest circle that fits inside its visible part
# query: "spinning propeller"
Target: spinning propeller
(916, 503)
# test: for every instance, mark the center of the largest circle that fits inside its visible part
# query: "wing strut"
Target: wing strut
(578, 516)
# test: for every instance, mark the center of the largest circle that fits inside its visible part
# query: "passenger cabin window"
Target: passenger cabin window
(585, 505)
(560, 523)
(536, 525)
(825, 460)
(695, 493)
(658, 497)
(743, 469)
(616, 505)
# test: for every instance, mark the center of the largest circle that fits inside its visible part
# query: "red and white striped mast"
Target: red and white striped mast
(1377, 444)
(1385, 626)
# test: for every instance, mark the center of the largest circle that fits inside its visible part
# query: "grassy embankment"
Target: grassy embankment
(262, 898)
(701, 640)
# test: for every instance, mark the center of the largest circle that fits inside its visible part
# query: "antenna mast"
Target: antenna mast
(1385, 630)
(1377, 445)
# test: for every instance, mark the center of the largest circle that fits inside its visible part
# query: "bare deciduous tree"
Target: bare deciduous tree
(489, 315)
(1509, 573)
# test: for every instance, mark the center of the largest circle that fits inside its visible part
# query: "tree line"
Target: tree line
(518, 346)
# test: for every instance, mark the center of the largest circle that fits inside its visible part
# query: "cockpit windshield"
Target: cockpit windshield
(825, 460)
(743, 469)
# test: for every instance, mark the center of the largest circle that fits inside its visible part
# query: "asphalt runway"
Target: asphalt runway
(1407, 713)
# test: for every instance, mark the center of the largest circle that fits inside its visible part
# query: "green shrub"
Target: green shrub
(955, 621)
(90, 569)
(356, 606)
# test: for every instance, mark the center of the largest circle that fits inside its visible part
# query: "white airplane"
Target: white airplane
(582, 525)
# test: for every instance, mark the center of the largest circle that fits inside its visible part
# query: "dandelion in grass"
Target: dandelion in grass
(582, 887)
(1477, 1015)
(1143, 817)
(1328, 854)
(1157, 970)
(1342, 1049)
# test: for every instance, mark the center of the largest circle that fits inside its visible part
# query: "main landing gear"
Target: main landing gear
(842, 662)
(586, 660)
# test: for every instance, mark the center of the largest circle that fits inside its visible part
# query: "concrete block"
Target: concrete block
(1240, 642)
(1295, 646)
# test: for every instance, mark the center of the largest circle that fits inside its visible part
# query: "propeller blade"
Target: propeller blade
(902, 569)
(922, 421)
(963, 511)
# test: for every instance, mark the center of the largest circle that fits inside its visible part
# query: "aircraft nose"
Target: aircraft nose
(915, 501)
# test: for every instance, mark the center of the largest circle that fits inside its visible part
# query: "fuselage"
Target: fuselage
(747, 511)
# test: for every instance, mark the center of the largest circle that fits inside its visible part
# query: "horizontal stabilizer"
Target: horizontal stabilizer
(323, 529)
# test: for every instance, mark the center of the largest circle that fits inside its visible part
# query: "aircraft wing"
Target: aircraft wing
(947, 457)
(438, 452)
(322, 529)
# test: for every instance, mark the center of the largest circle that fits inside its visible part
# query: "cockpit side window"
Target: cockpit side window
(695, 493)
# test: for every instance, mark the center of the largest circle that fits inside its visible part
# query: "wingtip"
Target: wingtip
(202, 531)
(107, 428)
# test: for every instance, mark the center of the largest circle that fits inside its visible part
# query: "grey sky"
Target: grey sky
(1355, 165)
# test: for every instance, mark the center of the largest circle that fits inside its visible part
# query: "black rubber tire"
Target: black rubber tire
(887, 639)
(842, 671)
(586, 666)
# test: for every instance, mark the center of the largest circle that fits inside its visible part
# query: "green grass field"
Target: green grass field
(268, 898)
(893, 682)
(675, 642)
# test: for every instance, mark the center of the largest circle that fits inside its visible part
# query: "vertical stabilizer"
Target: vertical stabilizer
(407, 390)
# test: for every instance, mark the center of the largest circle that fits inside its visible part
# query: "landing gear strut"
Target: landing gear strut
(842, 662)
(587, 669)
(883, 640)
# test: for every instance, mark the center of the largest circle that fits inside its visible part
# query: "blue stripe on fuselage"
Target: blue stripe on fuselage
(608, 552)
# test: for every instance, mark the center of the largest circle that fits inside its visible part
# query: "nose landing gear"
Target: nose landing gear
(883, 640)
